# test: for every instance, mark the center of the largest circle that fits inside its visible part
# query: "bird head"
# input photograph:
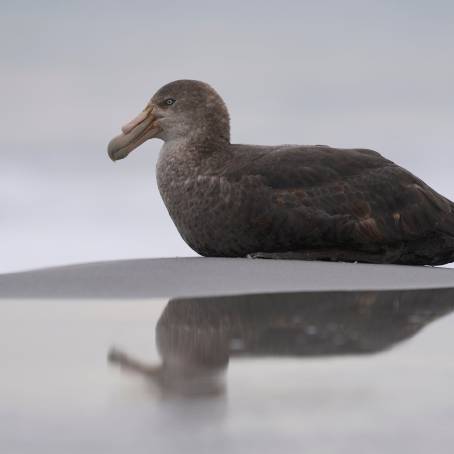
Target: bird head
(184, 109)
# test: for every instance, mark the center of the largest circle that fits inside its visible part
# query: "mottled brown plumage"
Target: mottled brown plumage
(290, 201)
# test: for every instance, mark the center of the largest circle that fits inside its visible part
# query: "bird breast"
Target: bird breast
(212, 213)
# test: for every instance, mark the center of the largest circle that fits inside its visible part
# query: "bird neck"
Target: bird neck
(195, 147)
(217, 129)
(201, 140)
(210, 133)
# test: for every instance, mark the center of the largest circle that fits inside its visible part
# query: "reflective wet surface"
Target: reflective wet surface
(325, 372)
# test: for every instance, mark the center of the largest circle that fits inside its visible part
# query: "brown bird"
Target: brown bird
(310, 202)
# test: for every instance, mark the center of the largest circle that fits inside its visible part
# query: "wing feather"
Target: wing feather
(351, 195)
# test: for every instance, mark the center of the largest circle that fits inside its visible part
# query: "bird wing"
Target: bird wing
(349, 194)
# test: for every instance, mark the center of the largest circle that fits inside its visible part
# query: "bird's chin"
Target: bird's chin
(144, 127)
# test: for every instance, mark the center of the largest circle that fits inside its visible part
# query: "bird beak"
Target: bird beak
(135, 133)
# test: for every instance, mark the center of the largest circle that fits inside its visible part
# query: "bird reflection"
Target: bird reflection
(196, 337)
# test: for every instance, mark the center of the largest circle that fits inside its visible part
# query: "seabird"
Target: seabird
(310, 202)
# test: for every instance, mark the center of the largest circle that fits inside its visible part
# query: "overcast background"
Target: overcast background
(375, 74)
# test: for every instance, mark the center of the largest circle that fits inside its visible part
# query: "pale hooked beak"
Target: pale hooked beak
(135, 133)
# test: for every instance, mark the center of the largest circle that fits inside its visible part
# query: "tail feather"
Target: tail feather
(447, 224)
(436, 250)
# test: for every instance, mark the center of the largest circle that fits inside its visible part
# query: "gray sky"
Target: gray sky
(374, 74)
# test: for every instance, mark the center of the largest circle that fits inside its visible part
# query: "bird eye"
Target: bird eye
(169, 101)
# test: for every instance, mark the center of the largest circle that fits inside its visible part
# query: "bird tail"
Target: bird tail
(449, 229)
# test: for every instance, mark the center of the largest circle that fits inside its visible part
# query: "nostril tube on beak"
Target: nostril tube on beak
(128, 127)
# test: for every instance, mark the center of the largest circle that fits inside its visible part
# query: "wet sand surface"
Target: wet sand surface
(214, 276)
(320, 372)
